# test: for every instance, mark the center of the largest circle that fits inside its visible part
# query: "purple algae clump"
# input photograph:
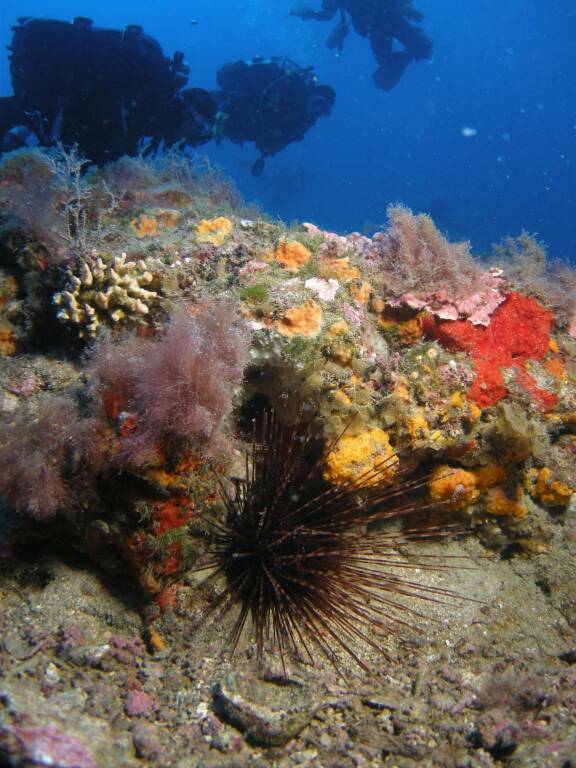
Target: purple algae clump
(177, 388)
(41, 446)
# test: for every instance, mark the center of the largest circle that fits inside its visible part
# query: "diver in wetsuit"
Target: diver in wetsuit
(102, 89)
(382, 22)
(270, 102)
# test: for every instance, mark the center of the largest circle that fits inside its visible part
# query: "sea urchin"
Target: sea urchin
(297, 558)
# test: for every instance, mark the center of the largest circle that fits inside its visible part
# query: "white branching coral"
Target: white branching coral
(114, 293)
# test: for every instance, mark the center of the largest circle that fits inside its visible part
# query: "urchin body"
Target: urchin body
(297, 559)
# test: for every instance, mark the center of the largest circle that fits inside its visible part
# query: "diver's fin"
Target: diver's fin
(336, 38)
(390, 71)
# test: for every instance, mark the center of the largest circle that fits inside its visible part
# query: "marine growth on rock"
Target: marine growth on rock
(192, 317)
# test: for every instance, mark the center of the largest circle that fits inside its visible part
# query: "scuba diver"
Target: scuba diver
(107, 90)
(271, 102)
(383, 22)
(102, 89)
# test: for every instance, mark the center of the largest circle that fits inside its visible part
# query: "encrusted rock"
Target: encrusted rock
(267, 713)
(146, 741)
(43, 746)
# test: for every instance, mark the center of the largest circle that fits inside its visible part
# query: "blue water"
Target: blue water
(504, 69)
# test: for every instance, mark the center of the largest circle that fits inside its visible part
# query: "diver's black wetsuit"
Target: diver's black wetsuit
(106, 89)
(271, 102)
(103, 89)
(382, 22)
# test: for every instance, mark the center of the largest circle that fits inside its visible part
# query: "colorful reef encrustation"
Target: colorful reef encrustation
(146, 317)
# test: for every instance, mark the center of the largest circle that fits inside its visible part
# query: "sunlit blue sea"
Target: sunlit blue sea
(482, 136)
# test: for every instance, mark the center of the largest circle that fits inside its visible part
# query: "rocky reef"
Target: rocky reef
(148, 320)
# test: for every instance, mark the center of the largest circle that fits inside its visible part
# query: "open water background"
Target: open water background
(504, 68)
